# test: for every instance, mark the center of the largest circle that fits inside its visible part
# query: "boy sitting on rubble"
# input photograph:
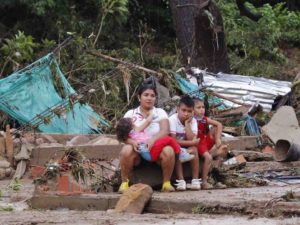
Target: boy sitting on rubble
(183, 127)
(126, 129)
(210, 144)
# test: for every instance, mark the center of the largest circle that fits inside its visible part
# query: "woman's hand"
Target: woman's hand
(134, 144)
(150, 116)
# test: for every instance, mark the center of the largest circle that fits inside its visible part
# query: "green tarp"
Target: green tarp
(40, 96)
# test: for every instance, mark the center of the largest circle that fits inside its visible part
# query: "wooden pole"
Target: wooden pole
(9, 145)
(227, 98)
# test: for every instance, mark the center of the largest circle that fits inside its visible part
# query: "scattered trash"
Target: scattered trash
(237, 160)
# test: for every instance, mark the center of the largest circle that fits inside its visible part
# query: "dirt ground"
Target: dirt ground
(15, 211)
(30, 217)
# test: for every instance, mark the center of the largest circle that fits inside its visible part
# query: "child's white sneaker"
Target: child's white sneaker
(184, 156)
(180, 185)
(194, 185)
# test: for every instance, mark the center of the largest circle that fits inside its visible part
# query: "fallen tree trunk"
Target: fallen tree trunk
(119, 61)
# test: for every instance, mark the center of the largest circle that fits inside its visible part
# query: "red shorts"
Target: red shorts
(162, 142)
(205, 144)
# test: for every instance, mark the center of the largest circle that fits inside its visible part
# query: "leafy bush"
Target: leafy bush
(251, 42)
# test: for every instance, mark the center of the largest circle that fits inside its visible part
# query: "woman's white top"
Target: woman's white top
(138, 118)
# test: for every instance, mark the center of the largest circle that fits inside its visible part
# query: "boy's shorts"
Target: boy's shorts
(205, 144)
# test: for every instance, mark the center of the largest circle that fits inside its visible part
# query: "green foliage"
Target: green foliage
(112, 10)
(255, 42)
(20, 48)
(40, 7)
(7, 209)
(15, 185)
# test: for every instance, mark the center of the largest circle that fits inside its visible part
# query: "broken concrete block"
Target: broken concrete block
(24, 153)
(78, 140)
(283, 125)
(39, 141)
(2, 173)
(21, 168)
(134, 199)
(37, 171)
(8, 172)
(104, 141)
(4, 163)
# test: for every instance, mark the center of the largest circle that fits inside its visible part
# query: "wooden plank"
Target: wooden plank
(254, 156)
(2, 146)
(9, 145)
(241, 143)
(232, 130)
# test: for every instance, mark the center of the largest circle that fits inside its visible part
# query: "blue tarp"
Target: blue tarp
(194, 91)
(39, 95)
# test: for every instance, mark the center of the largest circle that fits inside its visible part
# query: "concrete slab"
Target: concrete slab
(283, 125)
(262, 201)
(40, 156)
(63, 138)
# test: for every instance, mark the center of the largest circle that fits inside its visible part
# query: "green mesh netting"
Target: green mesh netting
(39, 96)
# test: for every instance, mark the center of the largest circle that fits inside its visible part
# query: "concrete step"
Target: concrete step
(267, 201)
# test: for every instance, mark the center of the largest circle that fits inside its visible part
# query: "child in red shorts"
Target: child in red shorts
(210, 140)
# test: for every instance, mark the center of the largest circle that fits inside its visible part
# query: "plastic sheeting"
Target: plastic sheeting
(193, 90)
(39, 95)
(245, 89)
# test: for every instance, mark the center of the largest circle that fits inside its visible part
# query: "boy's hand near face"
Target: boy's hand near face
(188, 121)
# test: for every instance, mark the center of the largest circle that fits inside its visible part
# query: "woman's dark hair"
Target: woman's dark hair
(145, 87)
(124, 126)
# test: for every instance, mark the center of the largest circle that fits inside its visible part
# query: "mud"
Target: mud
(21, 214)
(99, 218)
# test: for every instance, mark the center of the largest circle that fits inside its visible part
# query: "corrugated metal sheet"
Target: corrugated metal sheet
(245, 89)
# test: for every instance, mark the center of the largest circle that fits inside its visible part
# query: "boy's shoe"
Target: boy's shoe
(180, 185)
(194, 185)
(124, 186)
(167, 187)
(206, 186)
(184, 156)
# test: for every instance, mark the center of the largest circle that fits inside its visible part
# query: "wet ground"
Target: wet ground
(98, 218)
(21, 214)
